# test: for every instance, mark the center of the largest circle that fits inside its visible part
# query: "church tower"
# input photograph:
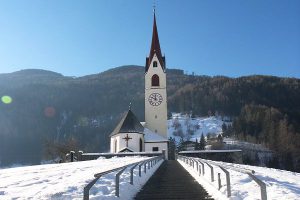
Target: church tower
(155, 87)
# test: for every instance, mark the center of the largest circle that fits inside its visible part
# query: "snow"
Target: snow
(67, 180)
(244, 145)
(280, 184)
(212, 151)
(206, 125)
(127, 153)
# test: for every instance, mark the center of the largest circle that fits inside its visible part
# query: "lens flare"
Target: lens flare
(49, 112)
(6, 99)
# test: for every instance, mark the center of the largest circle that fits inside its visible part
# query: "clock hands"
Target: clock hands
(155, 99)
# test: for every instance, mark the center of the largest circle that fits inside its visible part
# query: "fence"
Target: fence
(145, 164)
(211, 165)
(80, 156)
(232, 155)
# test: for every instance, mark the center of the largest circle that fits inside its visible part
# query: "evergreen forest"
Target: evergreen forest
(50, 112)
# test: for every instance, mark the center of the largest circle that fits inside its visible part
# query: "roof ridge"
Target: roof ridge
(128, 124)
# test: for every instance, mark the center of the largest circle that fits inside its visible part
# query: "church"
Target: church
(131, 135)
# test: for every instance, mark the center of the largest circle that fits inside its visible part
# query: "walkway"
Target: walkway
(172, 181)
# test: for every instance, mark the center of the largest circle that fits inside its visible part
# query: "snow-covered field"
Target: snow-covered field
(206, 125)
(67, 180)
(280, 184)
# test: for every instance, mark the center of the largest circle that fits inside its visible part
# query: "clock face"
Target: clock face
(155, 99)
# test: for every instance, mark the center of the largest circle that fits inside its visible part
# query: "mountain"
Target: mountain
(47, 106)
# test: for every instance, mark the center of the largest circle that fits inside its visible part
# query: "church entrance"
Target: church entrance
(141, 145)
(171, 150)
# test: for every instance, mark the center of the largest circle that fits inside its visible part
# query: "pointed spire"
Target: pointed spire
(155, 46)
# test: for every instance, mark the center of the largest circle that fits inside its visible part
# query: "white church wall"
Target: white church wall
(133, 144)
(161, 146)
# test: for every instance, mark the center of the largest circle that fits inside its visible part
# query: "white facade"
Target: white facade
(156, 115)
(118, 143)
(157, 146)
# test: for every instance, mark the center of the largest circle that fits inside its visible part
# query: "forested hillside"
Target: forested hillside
(81, 112)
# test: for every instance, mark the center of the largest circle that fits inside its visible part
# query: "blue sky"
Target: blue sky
(208, 37)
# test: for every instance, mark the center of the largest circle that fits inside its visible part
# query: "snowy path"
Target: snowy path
(66, 180)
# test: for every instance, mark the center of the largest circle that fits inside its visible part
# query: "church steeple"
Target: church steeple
(155, 48)
(156, 112)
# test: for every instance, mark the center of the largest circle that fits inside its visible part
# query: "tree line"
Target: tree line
(86, 109)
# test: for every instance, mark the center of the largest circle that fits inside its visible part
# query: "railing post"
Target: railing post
(140, 170)
(118, 182)
(145, 168)
(219, 180)
(227, 181)
(203, 170)
(199, 169)
(86, 189)
(149, 164)
(193, 163)
(211, 172)
(262, 185)
(72, 156)
(131, 173)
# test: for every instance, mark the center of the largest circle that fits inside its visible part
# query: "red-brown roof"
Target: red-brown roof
(155, 48)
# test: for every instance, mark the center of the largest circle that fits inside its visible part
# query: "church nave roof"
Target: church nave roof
(128, 124)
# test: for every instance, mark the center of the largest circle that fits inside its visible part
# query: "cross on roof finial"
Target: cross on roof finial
(154, 6)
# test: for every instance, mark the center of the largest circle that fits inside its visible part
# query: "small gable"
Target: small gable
(128, 124)
(126, 150)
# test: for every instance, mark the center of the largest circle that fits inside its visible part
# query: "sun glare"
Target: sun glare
(6, 99)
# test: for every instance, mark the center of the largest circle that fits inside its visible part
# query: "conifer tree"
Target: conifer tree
(197, 146)
(202, 143)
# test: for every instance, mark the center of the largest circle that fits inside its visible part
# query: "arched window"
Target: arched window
(155, 80)
(115, 146)
(154, 64)
(141, 145)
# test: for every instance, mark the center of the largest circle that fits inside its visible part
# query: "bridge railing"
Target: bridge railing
(224, 167)
(149, 163)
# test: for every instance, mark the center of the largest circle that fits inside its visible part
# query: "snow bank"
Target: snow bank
(67, 180)
(280, 184)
